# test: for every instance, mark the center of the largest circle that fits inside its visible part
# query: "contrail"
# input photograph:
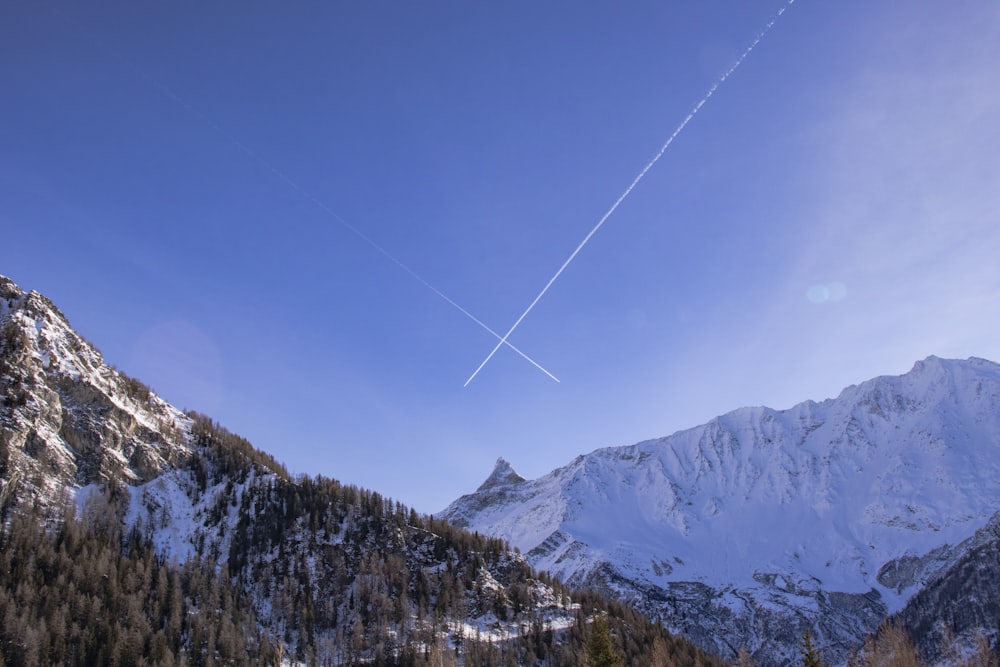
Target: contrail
(280, 175)
(628, 190)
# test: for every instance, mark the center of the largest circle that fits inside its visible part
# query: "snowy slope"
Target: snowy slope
(768, 512)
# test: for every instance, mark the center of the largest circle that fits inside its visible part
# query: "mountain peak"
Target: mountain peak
(931, 362)
(503, 474)
(935, 363)
(9, 289)
(69, 419)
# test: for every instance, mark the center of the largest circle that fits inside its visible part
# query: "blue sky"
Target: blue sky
(176, 177)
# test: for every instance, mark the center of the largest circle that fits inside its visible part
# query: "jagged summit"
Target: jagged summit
(9, 289)
(502, 475)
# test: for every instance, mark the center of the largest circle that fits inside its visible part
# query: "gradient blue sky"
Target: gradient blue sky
(832, 213)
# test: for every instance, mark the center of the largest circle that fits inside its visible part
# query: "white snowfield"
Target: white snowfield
(762, 502)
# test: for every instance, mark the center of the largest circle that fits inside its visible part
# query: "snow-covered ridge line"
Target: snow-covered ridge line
(771, 509)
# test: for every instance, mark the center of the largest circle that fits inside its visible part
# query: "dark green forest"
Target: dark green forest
(78, 592)
(346, 575)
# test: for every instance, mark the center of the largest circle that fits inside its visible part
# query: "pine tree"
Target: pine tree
(890, 647)
(601, 651)
(810, 654)
(983, 656)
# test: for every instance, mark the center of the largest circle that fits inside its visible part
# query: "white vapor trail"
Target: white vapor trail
(281, 176)
(635, 181)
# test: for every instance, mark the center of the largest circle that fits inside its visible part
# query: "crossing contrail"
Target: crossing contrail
(385, 253)
(656, 158)
(283, 177)
(367, 239)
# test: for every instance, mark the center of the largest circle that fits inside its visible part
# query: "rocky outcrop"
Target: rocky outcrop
(66, 418)
(959, 600)
(503, 475)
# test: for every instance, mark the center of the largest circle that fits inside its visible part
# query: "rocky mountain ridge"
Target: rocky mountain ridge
(70, 419)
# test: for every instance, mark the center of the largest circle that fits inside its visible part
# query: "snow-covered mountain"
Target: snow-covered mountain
(748, 529)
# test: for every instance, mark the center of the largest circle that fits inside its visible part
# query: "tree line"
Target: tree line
(316, 572)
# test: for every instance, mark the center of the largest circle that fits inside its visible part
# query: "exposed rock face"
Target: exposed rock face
(503, 475)
(67, 419)
(747, 530)
(962, 596)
